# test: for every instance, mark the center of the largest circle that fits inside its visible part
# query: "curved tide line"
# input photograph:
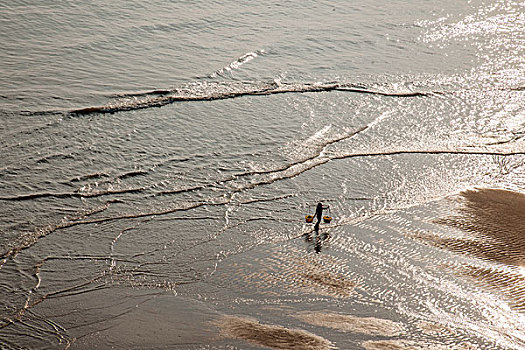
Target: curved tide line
(163, 97)
(38, 195)
(263, 90)
(311, 163)
(272, 176)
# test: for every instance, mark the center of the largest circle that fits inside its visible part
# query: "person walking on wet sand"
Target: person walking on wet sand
(319, 213)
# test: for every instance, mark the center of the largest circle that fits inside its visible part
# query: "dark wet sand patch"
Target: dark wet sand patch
(431, 328)
(327, 283)
(320, 275)
(272, 336)
(496, 220)
(349, 323)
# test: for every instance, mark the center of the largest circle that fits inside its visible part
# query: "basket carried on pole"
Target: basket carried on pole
(327, 218)
(310, 218)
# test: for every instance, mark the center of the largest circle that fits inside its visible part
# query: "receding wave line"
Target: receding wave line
(49, 112)
(267, 177)
(212, 92)
(31, 196)
(227, 90)
(299, 168)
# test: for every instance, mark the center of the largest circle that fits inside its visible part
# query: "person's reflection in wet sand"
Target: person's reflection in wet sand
(316, 238)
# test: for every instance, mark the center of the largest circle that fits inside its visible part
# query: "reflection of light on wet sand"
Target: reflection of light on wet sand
(317, 275)
(409, 345)
(348, 323)
(381, 327)
(297, 272)
(273, 336)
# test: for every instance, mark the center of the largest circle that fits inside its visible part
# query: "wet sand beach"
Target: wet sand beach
(352, 295)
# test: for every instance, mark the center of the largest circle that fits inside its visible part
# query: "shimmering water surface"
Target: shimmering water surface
(158, 159)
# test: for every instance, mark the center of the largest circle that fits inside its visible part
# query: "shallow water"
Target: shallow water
(158, 160)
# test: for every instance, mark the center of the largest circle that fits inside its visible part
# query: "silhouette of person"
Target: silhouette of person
(317, 239)
(319, 213)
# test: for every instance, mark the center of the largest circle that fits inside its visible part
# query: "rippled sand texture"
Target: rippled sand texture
(496, 218)
(273, 336)
(495, 223)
